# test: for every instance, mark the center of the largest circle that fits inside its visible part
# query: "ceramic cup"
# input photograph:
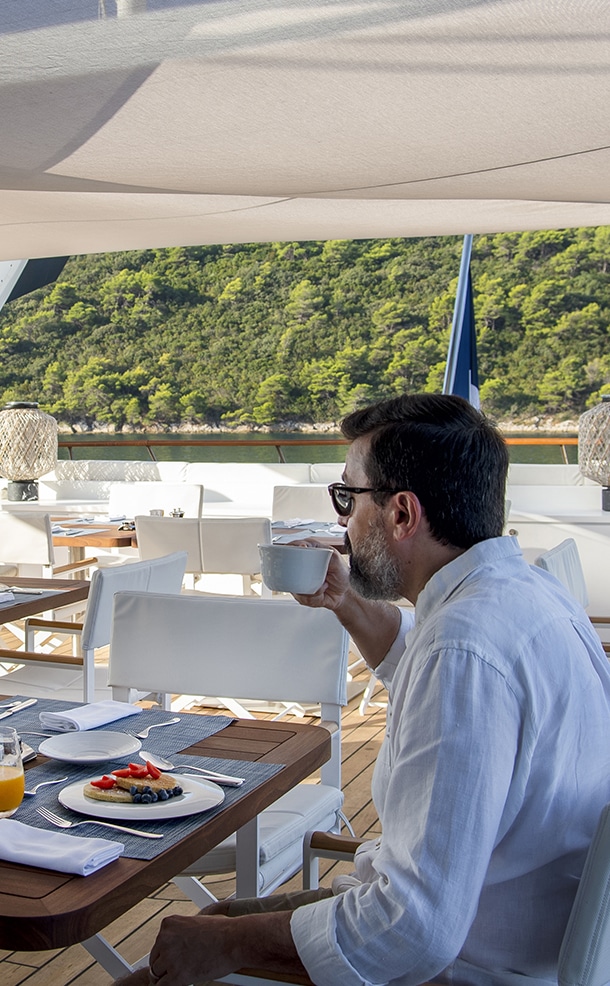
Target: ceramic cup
(290, 568)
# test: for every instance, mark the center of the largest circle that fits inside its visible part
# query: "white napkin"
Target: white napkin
(293, 522)
(88, 716)
(25, 844)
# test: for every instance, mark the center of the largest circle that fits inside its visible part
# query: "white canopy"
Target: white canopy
(136, 123)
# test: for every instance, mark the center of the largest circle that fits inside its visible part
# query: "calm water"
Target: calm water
(236, 453)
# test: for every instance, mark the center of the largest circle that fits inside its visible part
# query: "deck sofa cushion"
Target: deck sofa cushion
(326, 472)
(539, 474)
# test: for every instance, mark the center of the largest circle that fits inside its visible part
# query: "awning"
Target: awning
(129, 125)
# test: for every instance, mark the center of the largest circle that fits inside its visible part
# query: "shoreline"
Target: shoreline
(540, 424)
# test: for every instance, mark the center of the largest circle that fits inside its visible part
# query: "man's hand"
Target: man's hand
(191, 950)
(333, 590)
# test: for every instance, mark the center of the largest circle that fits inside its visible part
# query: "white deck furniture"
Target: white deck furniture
(77, 677)
(252, 648)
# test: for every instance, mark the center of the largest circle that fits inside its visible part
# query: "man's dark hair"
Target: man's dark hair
(447, 453)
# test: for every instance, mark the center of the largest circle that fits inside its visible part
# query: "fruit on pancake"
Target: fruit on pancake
(137, 783)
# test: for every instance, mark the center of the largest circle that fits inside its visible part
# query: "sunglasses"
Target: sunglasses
(343, 496)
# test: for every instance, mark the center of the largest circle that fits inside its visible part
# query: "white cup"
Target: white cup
(292, 568)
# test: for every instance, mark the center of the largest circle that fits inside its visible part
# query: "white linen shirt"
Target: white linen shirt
(489, 785)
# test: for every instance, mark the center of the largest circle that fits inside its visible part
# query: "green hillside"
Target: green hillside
(276, 332)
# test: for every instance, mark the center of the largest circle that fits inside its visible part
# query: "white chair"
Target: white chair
(26, 547)
(255, 648)
(129, 499)
(307, 502)
(584, 957)
(214, 545)
(563, 561)
(74, 676)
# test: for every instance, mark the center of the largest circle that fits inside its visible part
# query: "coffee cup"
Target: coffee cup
(294, 568)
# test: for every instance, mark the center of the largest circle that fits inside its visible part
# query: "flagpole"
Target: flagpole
(458, 316)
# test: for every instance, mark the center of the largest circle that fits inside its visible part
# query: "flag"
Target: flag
(462, 375)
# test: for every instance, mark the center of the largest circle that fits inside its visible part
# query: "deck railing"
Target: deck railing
(150, 444)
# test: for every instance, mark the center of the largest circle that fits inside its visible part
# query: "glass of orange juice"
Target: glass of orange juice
(12, 781)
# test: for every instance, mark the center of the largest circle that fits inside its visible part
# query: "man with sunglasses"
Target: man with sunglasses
(496, 762)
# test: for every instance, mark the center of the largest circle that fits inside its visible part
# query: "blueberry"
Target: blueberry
(177, 790)
(162, 795)
(137, 798)
(146, 799)
(133, 790)
(154, 797)
(147, 789)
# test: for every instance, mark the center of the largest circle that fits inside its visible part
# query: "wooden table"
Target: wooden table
(106, 536)
(41, 909)
(58, 593)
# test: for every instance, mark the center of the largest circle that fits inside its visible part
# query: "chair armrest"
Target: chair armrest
(600, 619)
(329, 842)
(63, 625)
(30, 657)
(76, 566)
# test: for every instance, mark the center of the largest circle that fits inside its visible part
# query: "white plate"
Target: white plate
(89, 746)
(199, 795)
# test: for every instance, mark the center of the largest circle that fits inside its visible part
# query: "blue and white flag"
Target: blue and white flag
(462, 375)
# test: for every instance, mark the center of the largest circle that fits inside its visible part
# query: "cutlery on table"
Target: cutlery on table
(211, 775)
(63, 823)
(156, 725)
(44, 784)
(10, 705)
(18, 707)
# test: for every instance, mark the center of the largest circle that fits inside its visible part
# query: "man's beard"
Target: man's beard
(374, 573)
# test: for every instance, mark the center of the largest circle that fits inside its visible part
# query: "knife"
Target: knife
(17, 708)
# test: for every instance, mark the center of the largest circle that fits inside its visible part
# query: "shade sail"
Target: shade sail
(136, 123)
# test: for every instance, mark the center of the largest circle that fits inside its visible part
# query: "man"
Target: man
(496, 762)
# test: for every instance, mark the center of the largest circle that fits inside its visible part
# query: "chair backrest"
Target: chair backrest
(563, 561)
(584, 959)
(238, 646)
(307, 502)
(129, 499)
(159, 536)
(229, 545)
(159, 575)
(26, 539)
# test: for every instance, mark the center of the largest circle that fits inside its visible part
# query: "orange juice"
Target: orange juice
(12, 784)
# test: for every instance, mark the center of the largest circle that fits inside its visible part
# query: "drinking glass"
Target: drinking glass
(12, 781)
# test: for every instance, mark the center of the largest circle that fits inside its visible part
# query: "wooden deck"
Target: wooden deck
(135, 932)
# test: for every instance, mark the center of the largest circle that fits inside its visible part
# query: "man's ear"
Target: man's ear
(406, 515)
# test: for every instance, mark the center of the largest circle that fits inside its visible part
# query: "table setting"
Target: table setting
(90, 742)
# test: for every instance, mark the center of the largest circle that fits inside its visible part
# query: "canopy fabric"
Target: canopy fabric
(128, 124)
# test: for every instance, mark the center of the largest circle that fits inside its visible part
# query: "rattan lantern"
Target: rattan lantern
(28, 447)
(594, 447)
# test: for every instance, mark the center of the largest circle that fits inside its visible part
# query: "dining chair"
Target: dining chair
(563, 561)
(129, 499)
(26, 549)
(584, 957)
(56, 675)
(250, 648)
(214, 545)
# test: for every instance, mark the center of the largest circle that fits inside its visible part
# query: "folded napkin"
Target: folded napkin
(88, 716)
(6, 595)
(293, 522)
(25, 844)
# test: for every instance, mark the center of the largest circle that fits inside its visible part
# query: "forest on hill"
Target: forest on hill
(265, 334)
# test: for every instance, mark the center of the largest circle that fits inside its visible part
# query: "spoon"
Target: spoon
(44, 784)
(156, 725)
(212, 775)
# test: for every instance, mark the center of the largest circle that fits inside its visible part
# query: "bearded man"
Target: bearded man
(496, 762)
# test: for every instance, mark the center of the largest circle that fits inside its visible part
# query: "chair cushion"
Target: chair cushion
(281, 826)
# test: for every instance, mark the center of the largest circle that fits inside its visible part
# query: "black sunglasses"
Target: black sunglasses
(342, 496)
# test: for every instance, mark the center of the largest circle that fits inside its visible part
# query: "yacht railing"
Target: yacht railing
(150, 444)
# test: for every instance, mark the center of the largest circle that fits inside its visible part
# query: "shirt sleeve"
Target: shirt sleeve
(452, 755)
(385, 669)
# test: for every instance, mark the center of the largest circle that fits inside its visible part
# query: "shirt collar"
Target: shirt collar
(444, 582)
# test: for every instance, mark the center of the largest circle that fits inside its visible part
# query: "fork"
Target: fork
(44, 784)
(63, 823)
(156, 725)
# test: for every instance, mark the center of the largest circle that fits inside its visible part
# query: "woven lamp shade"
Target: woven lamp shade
(594, 443)
(28, 442)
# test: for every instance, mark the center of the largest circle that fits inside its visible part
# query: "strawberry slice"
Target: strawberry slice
(105, 783)
(152, 770)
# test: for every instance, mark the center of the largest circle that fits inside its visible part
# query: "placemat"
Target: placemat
(165, 741)
(173, 829)
(26, 597)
